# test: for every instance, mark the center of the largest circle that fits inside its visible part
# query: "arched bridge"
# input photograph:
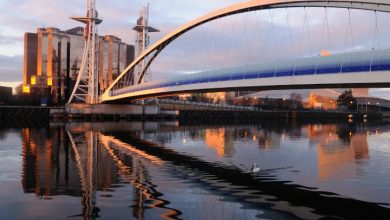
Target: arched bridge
(365, 68)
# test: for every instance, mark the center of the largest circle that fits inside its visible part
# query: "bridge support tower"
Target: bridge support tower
(86, 87)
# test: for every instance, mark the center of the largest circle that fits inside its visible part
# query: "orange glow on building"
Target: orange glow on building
(322, 102)
(50, 51)
(216, 96)
(184, 96)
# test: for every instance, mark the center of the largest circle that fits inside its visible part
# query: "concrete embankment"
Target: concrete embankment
(154, 112)
(86, 112)
(10, 112)
(234, 115)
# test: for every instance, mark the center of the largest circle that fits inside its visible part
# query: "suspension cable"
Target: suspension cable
(377, 29)
(293, 48)
(259, 40)
(374, 38)
(351, 29)
(275, 41)
(320, 44)
(346, 40)
(307, 30)
(328, 28)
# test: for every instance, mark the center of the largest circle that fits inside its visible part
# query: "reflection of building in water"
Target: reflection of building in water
(47, 163)
(58, 162)
(333, 152)
(220, 140)
(50, 166)
(268, 139)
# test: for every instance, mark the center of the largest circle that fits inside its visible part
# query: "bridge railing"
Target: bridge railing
(210, 105)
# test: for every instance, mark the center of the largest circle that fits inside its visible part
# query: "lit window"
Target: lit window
(49, 81)
(33, 80)
(26, 89)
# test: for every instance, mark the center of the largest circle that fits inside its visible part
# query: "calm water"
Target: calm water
(171, 170)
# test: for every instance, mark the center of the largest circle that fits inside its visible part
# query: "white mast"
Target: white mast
(86, 87)
(142, 42)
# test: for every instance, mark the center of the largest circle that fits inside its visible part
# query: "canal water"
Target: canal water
(190, 170)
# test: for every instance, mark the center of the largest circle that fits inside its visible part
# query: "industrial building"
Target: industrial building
(52, 60)
(5, 94)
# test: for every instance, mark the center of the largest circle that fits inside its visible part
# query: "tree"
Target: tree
(19, 89)
(296, 97)
(347, 99)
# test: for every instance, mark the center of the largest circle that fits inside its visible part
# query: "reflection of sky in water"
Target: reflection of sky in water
(338, 159)
(10, 157)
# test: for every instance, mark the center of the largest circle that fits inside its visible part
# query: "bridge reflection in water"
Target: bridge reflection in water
(133, 160)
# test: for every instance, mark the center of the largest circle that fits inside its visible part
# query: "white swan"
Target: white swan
(254, 168)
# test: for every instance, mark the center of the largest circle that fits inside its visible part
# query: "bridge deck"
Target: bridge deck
(314, 69)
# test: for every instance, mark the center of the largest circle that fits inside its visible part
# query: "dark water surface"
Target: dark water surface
(171, 170)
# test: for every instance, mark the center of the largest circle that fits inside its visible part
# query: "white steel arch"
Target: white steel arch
(155, 49)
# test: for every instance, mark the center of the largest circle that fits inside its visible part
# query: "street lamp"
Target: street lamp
(351, 102)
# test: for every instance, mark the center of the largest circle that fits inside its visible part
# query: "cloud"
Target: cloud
(11, 68)
(5, 40)
(383, 93)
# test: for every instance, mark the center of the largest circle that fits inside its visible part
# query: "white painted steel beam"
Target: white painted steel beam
(363, 79)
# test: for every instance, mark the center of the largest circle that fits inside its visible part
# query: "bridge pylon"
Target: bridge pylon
(86, 89)
(143, 40)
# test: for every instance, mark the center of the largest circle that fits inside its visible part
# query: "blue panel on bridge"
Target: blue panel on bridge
(355, 69)
(237, 76)
(204, 80)
(225, 78)
(184, 82)
(251, 76)
(267, 75)
(281, 73)
(331, 70)
(304, 72)
(215, 79)
(380, 67)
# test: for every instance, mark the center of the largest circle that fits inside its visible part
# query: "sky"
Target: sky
(20, 16)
